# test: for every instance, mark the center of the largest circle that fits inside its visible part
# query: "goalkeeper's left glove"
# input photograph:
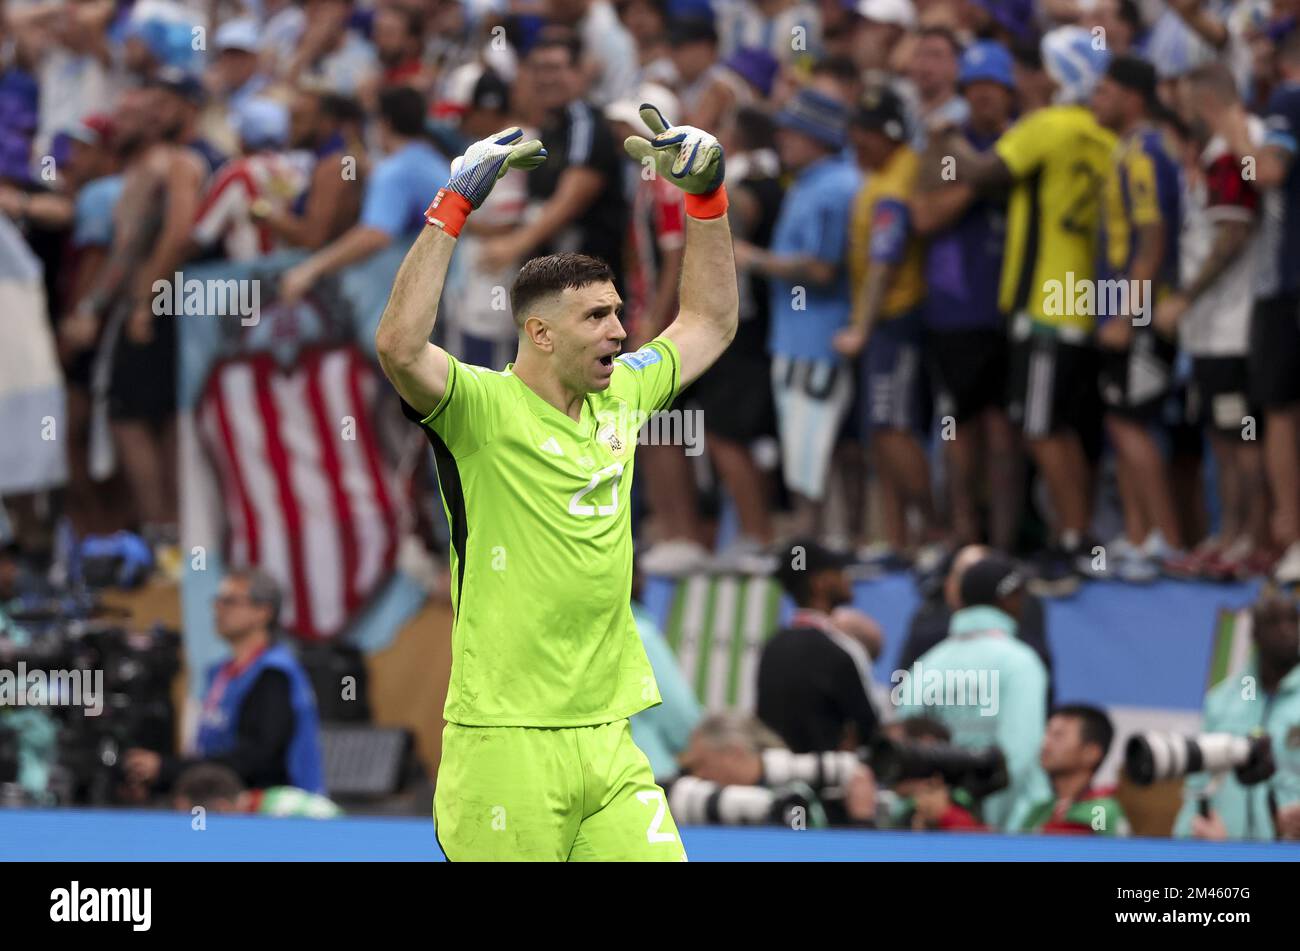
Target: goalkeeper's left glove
(474, 173)
(690, 158)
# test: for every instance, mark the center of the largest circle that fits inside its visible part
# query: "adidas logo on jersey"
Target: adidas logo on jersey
(552, 446)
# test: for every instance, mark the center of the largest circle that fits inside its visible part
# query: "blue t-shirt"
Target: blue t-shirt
(1283, 121)
(93, 212)
(963, 264)
(401, 187)
(813, 221)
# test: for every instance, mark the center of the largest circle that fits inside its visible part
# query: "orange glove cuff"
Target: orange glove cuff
(710, 205)
(448, 211)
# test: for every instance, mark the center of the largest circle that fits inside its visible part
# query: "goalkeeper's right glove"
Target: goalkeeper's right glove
(474, 173)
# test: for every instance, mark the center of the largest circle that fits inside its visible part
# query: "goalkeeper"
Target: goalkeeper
(535, 466)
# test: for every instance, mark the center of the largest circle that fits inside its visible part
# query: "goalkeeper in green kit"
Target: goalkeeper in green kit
(535, 466)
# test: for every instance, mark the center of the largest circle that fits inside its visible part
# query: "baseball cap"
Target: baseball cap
(881, 109)
(898, 12)
(989, 580)
(490, 92)
(261, 123)
(986, 61)
(806, 556)
(816, 115)
(238, 34)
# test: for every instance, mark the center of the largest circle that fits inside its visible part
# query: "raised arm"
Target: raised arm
(417, 368)
(710, 298)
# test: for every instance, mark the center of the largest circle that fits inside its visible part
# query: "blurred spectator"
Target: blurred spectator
(577, 196)
(397, 193)
(929, 625)
(262, 173)
(808, 281)
(1075, 744)
(480, 326)
(787, 29)
(813, 679)
(259, 713)
(933, 72)
(330, 54)
(647, 22)
(609, 53)
(694, 44)
(743, 79)
(1274, 360)
(965, 335)
(1211, 310)
(217, 788)
(1009, 710)
(1266, 697)
(331, 201)
(178, 105)
(1140, 221)
(883, 27)
(884, 335)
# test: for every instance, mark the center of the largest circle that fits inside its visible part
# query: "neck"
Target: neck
(1271, 672)
(1070, 786)
(245, 649)
(1130, 124)
(534, 375)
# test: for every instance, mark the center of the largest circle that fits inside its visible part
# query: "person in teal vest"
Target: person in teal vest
(1264, 697)
(986, 686)
(1077, 740)
(259, 710)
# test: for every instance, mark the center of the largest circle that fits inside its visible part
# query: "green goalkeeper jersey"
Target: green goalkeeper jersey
(541, 544)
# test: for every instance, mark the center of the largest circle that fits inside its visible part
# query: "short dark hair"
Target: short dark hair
(1217, 79)
(837, 67)
(925, 728)
(558, 38)
(204, 783)
(755, 128)
(403, 108)
(1095, 725)
(552, 274)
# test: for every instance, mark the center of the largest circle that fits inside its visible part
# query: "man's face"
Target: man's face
(392, 42)
(692, 59)
(1063, 749)
(235, 614)
(797, 150)
(234, 68)
(934, 66)
(582, 328)
(305, 119)
(834, 587)
(872, 146)
(990, 104)
(132, 120)
(1108, 103)
(554, 78)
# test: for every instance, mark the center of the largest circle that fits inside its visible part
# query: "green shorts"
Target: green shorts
(576, 794)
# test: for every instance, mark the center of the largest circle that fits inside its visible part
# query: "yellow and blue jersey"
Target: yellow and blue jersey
(881, 233)
(1143, 188)
(1059, 157)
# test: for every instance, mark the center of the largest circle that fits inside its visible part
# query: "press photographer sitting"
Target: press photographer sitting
(1077, 740)
(259, 711)
(1266, 697)
(736, 771)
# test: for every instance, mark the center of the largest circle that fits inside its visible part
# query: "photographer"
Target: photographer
(814, 675)
(217, 788)
(259, 712)
(1266, 697)
(736, 771)
(982, 656)
(928, 803)
(1077, 740)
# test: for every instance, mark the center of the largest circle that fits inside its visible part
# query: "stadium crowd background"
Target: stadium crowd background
(914, 371)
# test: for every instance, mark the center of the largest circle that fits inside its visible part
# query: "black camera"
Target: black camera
(1154, 755)
(979, 772)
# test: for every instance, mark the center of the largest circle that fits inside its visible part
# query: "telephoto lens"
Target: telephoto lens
(978, 772)
(1154, 755)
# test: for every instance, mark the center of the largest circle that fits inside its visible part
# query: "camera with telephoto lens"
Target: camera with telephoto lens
(979, 772)
(1155, 755)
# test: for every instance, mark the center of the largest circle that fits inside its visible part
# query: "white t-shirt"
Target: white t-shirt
(1218, 322)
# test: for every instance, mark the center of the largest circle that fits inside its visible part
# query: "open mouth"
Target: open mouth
(607, 360)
